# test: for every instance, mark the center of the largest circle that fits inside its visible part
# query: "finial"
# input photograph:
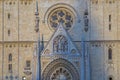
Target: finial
(36, 12)
(37, 18)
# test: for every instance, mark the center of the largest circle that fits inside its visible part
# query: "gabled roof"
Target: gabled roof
(60, 31)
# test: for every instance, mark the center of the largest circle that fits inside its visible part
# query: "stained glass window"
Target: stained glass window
(61, 15)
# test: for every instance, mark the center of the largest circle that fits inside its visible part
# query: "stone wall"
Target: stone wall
(17, 29)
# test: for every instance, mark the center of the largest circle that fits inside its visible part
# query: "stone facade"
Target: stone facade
(98, 20)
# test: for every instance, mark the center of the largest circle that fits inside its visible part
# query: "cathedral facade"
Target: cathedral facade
(79, 39)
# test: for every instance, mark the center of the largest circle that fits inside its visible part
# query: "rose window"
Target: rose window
(61, 74)
(61, 15)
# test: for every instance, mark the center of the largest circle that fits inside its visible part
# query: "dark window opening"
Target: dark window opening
(109, 18)
(110, 54)
(10, 57)
(110, 78)
(9, 32)
(109, 26)
(8, 15)
(28, 63)
(10, 68)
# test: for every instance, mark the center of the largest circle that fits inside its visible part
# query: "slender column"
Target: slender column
(82, 77)
(88, 64)
(38, 61)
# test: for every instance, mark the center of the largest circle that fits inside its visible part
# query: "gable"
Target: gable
(60, 43)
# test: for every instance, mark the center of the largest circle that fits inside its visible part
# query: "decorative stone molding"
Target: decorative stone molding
(105, 1)
(59, 63)
(26, 2)
(60, 5)
(27, 73)
(63, 15)
(10, 2)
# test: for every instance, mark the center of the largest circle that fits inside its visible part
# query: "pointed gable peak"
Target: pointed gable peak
(60, 27)
(60, 43)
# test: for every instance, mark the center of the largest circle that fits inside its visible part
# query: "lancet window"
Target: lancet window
(60, 44)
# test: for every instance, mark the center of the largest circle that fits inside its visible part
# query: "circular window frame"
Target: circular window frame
(64, 10)
(60, 5)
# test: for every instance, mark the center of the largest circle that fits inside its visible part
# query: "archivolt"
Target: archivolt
(57, 64)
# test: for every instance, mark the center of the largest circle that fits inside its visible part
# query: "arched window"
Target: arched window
(110, 54)
(8, 15)
(110, 78)
(10, 68)
(28, 63)
(8, 32)
(60, 44)
(109, 18)
(10, 57)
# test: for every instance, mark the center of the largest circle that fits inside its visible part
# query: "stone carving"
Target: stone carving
(61, 74)
(58, 66)
(62, 15)
(47, 51)
(73, 51)
(60, 44)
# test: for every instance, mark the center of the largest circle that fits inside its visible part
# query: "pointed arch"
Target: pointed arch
(60, 64)
(110, 77)
(110, 53)
(10, 57)
(60, 44)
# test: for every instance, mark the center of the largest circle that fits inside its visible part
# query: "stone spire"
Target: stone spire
(37, 18)
(38, 74)
(86, 20)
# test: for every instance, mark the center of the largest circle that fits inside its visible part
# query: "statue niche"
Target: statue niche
(60, 44)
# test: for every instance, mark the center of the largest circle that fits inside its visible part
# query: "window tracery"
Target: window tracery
(62, 15)
(60, 44)
(61, 74)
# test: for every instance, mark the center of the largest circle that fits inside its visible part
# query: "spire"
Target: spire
(86, 4)
(86, 8)
(37, 18)
(86, 20)
(36, 12)
(38, 74)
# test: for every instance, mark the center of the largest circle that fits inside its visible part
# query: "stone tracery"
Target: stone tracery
(60, 69)
(61, 74)
(62, 15)
(60, 44)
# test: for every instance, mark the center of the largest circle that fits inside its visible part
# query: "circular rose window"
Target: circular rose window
(61, 15)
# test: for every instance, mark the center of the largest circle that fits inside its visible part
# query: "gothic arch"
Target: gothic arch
(60, 44)
(60, 64)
